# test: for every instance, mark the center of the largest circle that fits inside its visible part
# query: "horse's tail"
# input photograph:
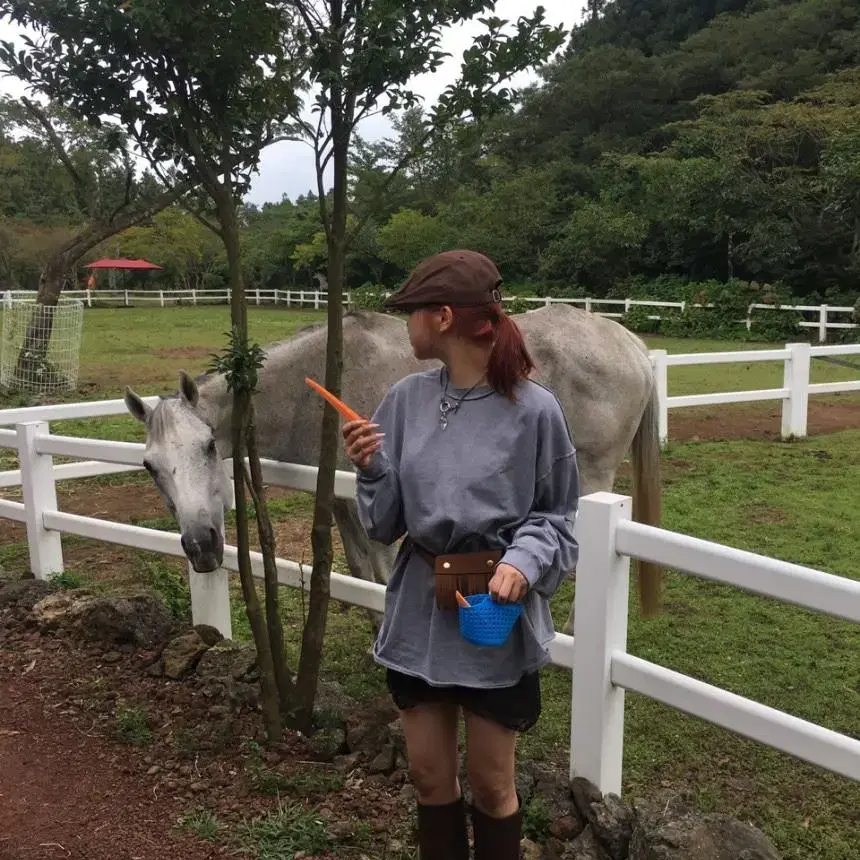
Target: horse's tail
(646, 500)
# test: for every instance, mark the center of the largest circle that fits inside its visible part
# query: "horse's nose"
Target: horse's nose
(203, 547)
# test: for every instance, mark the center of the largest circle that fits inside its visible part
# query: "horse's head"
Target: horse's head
(182, 457)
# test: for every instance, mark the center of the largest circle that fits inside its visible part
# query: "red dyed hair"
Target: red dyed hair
(510, 361)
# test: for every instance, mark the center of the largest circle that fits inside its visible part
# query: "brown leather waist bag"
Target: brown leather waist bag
(466, 572)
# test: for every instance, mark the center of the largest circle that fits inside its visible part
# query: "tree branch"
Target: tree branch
(383, 189)
(82, 192)
(129, 179)
(197, 215)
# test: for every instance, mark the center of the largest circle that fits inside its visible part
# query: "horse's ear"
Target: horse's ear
(136, 406)
(188, 388)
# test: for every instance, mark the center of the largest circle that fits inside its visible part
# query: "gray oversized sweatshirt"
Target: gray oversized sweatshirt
(504, 475)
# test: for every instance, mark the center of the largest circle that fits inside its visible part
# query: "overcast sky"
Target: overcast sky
(287, 168)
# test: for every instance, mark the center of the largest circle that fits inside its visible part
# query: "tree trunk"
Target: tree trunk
(270, 572)
(320, 588)
(34, 350)
(241, 409)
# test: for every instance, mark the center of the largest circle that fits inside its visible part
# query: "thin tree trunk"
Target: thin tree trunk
(241, 408)
(320, 588)
(267, 547)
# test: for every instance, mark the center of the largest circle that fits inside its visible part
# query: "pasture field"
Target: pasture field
(796, 501)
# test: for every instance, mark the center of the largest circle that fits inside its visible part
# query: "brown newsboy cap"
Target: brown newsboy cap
(455, 278)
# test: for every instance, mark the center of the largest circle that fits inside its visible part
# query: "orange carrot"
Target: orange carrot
(347, 413)
(462, 600)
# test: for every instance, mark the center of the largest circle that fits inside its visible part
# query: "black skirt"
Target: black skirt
(517, 708)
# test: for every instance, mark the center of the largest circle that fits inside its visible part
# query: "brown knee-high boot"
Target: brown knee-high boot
(442, 831)
(497, 838)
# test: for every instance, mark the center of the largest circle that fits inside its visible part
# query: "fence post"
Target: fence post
(822, 324)
(125, 293)
(257, 294)
(210, 600)
(599, 630)
(40, 495)
(661, 382)
(796, 380)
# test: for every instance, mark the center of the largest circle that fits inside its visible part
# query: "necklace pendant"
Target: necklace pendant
(443, 422)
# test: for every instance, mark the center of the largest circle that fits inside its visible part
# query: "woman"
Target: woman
(476, 463)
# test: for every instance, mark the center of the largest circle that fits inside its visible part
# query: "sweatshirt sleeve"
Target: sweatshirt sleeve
(543, 547)
(377, 488)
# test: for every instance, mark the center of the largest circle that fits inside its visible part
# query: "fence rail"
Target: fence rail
(823, 318)
(596, 654)
(794, 394)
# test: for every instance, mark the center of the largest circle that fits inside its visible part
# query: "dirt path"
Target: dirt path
(66, 794)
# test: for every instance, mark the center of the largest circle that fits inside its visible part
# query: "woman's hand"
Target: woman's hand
(508, 585)
(361, 441)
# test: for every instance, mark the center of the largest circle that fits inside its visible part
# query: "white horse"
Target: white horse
(600, 372)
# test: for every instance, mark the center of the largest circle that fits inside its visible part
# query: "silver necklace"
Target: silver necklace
(447, 408)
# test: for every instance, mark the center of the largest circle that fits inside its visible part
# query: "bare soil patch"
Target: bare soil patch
(758, 420)
(72, 785)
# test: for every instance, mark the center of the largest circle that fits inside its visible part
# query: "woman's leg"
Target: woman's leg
(494, 719)
(431, 746)
(491, 766)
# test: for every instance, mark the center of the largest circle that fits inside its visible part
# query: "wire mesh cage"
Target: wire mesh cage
(41, 344)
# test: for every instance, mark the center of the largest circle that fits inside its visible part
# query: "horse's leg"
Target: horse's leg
(362, 554)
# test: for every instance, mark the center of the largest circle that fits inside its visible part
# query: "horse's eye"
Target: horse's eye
(211, 449)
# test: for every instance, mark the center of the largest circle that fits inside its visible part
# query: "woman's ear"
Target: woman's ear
(446, 318)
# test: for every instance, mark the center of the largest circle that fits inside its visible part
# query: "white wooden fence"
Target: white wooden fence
(794, 393)
(823, 318)
(596, 654)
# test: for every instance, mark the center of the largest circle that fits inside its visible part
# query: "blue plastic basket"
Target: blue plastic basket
(487, 622)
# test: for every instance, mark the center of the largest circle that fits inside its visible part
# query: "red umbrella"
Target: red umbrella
(121, 263)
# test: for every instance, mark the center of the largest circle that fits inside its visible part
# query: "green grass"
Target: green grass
(797, 501)
(202, 823)
(132, 726)
(291, 829)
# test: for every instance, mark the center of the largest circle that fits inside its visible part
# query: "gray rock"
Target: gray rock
(24, 593)
(55, 610)
(332, 707)
(141, 620)
(698, 837)
(612, 823)
(383, 762)
(584, 794)
(181, 655)
(210, 635)
(345, 763)
(228, 660)
(587, 847)
(328, 743)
